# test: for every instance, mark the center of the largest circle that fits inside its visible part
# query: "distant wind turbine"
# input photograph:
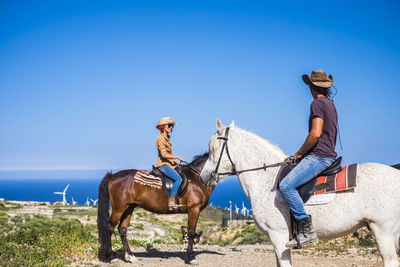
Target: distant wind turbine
(64, 202)
(73, 201)
(244, 210)
(87, 202)
(94, 201)
(236, 209)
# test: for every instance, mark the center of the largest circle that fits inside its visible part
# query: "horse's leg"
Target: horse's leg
(114, 219)
(385, 238)
(193, 216)
(123, 229)
(282, 253)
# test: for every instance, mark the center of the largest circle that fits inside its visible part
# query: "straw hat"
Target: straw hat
(318, 78)
(166, 120)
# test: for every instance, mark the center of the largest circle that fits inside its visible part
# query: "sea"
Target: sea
(83, 189)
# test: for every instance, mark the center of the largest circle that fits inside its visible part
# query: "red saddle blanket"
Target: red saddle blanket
(344, 180)
(145, 178)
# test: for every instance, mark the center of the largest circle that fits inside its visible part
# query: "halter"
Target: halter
(215, 174)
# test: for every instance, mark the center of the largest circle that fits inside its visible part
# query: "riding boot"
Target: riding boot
(306, 234)
(172, 206)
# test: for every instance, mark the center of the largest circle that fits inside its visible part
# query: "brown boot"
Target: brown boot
(307, 234)
(172, 206)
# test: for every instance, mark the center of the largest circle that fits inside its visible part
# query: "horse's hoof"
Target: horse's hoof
(194, 262)
(129, 257)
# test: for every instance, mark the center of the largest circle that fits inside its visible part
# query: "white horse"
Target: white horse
(375, 201)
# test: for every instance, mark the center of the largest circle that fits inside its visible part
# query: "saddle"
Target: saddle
(306, 190)
(167, 182)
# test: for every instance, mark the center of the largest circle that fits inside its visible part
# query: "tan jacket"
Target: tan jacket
(164, 147)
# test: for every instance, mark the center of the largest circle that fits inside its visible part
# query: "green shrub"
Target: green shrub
(45, 243)
(139, 226)
(3, 218)
(252, 235)
(147, 243)
(3, 207)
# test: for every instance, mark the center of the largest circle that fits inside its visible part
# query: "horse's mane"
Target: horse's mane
(199, 160)
(254, 138)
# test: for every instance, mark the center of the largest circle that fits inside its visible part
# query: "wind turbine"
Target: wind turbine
(230, 210)
(94, 201)
(87, 202)
(64, 202)
(236, 209)
(73, 201)
(244, 209)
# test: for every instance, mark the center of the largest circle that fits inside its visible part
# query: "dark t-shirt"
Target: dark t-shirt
(325, 109)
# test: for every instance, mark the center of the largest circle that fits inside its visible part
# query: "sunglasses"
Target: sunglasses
(170, 125)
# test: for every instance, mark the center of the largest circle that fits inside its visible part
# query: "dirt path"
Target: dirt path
(248, 255)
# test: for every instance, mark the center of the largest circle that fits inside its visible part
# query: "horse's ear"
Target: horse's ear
(232, 123)
(220, 126)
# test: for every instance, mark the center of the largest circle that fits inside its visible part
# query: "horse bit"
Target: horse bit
(215, 174)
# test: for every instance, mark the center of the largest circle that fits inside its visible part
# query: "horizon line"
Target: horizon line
(60, 169)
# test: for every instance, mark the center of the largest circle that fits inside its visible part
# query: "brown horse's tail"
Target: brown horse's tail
(103, 224)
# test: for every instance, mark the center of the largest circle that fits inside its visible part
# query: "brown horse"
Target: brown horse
(125, 195)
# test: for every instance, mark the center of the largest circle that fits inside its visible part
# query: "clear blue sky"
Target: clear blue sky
(83, 83)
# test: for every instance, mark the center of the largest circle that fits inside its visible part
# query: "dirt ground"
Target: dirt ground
(246, 255)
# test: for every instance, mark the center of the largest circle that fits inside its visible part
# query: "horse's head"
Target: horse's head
(219, 164)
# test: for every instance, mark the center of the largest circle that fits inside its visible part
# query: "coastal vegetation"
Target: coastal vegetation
(43, 241)
(63, 235)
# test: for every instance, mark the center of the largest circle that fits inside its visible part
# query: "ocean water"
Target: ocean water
(81, 189)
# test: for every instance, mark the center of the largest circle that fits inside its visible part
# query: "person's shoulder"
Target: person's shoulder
(322, 101)
(316, 102)
(160, 138)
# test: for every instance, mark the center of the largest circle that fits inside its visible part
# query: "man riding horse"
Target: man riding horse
(315, 155)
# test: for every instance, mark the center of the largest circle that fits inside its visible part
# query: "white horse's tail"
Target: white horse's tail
(397, 166)
(397, 240)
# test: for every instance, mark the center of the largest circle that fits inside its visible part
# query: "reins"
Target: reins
(215, 174)
(289, 160)
(191, 167)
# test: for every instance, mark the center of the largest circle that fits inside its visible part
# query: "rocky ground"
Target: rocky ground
(147, 226)
(244, 255)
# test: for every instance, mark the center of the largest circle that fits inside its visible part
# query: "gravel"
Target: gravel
(244, 255)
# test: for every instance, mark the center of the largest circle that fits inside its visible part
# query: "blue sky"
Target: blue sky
(83, 83)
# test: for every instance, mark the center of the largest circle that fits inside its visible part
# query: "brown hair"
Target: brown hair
(161, 128)
(325, 91)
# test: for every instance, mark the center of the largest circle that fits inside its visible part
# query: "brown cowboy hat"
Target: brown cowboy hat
(318, 78)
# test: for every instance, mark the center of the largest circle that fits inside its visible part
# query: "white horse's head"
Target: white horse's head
(219, 161)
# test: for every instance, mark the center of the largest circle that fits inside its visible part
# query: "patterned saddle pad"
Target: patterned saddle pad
(344, 180)
(145, 178)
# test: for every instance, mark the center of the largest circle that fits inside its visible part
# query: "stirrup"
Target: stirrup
(175, 207)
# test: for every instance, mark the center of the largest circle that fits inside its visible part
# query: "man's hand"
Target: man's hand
(297, 156)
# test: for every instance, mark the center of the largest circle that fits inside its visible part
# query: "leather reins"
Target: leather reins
(215, 174)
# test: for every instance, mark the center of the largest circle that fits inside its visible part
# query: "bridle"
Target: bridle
(215, 174)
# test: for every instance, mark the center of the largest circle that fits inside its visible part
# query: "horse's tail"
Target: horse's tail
(103, 224)
(397, 240)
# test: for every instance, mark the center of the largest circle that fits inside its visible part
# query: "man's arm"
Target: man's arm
(312, 138)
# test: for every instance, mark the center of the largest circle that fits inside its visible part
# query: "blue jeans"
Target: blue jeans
(308, 168)
(171, 173)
